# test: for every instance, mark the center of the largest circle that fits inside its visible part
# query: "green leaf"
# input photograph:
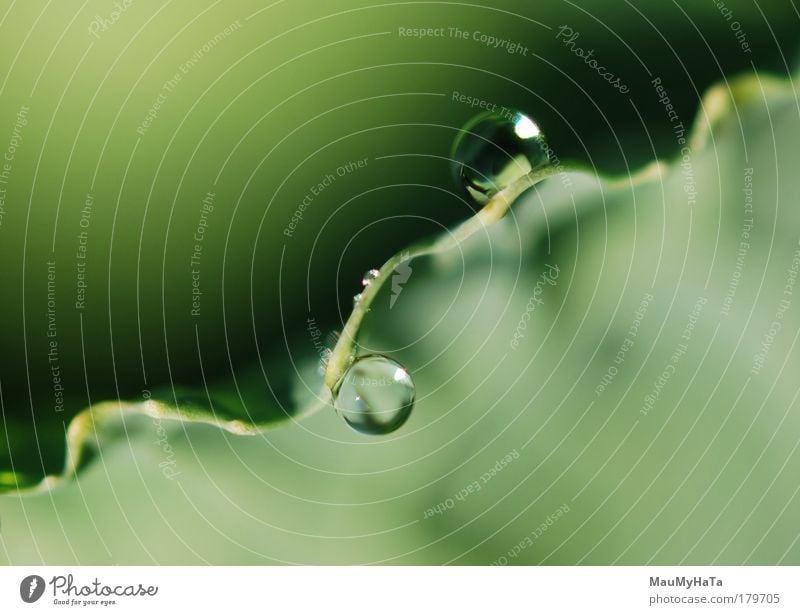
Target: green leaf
(649, 383)
(237, 405)
(707, 474)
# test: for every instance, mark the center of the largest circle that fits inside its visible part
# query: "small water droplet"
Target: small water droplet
(369, 276)
(356, 299)
(493, 151)
(376, 395)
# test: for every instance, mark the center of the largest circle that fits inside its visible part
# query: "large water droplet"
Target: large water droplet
(494, 150)
(376, 395)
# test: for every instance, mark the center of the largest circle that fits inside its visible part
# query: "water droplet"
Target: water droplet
(356, 299)
(493, 151)
(369, 276)
(376, 395)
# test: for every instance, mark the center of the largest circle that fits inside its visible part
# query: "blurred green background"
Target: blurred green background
(273, 97)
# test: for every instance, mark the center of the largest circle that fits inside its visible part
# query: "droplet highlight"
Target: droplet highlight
(369, 276)
(376, 395)
(494, 150)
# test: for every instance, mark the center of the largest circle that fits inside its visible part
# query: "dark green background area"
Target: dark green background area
(289, 96)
